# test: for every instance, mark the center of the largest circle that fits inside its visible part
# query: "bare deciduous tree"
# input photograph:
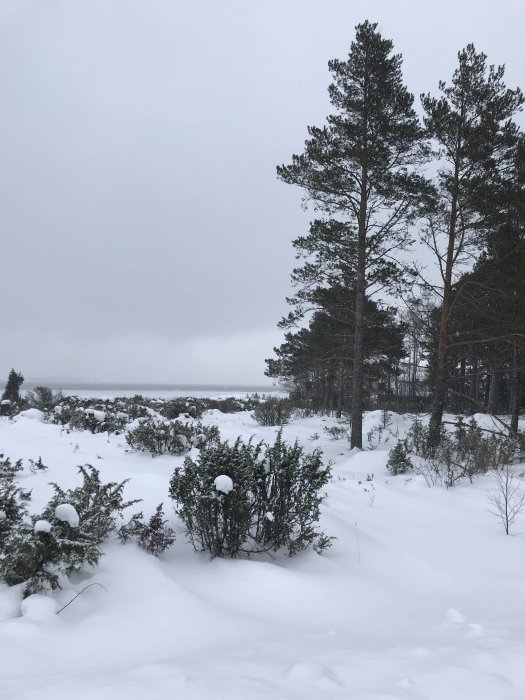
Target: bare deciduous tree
(507, 498)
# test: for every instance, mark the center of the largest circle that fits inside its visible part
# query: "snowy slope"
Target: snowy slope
(421, 596)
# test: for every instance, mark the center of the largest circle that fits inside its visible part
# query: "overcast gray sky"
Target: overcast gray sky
(143, 233)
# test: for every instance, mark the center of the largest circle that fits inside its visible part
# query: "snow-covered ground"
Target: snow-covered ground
(421, 596)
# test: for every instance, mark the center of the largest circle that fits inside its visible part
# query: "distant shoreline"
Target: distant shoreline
(100, 389)
(150, 386)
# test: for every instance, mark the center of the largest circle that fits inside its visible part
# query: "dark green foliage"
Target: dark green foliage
(360, 170)
(374, 129)
(27, 556)
(154, 536)
(113, 415)
(417, 438)
(99, 506)
(336, 432)
(274, 504)
(231, 404)
(315, 363)
(38, 551)
(186, 407)
(95, 416)
(12, 387)
(467, 452)
(170, 437)
(44, 398)
(37, 466)
(40, 559)
(195, 407)
(487, 352)
(273, 411)
(9, 469)
(398, 460)
(471, 123)
(13, 500)
(137, 407)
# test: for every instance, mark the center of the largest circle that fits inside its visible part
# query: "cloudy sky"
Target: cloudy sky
(144, 236)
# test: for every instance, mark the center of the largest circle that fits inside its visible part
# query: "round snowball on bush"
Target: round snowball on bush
(199, 440)
(99, 416)
(223, 484)
(42, 526)
(67, 514)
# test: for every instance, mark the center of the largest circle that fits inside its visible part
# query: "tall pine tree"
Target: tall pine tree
(471, 123)
(360, 169)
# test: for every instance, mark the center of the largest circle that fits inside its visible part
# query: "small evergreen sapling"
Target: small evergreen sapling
(154, 536)
(398, 460)
(37, 466)
(12, 387)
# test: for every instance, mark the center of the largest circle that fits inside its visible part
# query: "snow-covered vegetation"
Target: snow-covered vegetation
(419, 595)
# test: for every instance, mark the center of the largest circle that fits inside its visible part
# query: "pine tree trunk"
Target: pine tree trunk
(486, 389)
(474, 381)
(514, 393)
(356, 436)
(492, 406)
(461, 383)
(340, 392)
(440, 382)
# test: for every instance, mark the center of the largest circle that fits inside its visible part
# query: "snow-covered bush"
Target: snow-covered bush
(40, 550)
(97, 417)
(8, 469)
(381, 433)
(336, 432)
(99, 506)
(13, 501)
(29, 553)
(191, 408)
(232, 404)
(170, 437)
(155, 536)
(273, 411)
(463, 454)
(398, 460)
(137, 407)
(251, 498)
(44, 398)
(195, 407)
